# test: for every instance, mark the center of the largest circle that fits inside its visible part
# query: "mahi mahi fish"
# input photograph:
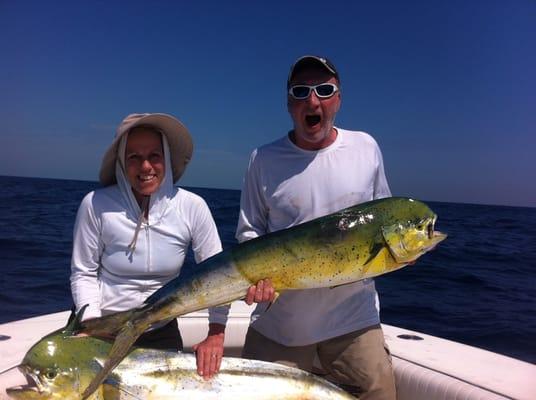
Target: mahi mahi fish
(358, 242)
(60, 365)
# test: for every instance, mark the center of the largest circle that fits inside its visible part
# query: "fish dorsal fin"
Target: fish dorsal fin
(73, 325)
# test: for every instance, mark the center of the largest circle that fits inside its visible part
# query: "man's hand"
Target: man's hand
(262, 291)
(210, 351)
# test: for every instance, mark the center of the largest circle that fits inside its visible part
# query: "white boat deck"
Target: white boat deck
(427, 369)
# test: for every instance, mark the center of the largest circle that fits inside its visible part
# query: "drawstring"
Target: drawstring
(144, 204)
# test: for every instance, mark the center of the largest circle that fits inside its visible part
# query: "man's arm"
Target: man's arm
(253, 215)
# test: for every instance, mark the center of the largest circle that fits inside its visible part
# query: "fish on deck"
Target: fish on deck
(60, 365)
(358, 242)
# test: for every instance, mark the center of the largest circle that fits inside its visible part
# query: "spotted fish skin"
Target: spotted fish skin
(358, 242)
(60, 365)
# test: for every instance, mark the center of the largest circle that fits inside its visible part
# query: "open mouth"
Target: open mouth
(435, 236)
(438, 237)
(13, 391)
(312, 120)
(33, 384)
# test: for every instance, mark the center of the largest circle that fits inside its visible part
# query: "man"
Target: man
(314, 170)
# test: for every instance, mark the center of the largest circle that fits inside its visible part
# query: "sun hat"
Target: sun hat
(177, 135)
(308, 60)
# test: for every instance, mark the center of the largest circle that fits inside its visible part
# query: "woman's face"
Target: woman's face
(144, 161)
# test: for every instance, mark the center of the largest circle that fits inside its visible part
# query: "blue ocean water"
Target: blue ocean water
(478, 287)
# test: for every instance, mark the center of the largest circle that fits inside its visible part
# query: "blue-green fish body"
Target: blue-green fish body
(358, 242)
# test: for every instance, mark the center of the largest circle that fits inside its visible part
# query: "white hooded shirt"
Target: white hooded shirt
(106, 274)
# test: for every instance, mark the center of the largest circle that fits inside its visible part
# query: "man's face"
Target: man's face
(313, 117)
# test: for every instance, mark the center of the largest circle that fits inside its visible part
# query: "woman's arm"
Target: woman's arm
(85, 260)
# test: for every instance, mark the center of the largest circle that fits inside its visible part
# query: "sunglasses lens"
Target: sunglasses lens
(325, 90)
(300, 92)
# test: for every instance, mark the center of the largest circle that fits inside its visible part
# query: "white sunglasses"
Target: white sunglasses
(322, 90)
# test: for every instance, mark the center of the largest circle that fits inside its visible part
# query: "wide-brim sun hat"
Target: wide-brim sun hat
(177, 135)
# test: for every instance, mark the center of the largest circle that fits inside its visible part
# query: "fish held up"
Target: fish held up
(358, 242)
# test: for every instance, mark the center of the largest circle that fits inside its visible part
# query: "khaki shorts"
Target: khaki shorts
(358, 361)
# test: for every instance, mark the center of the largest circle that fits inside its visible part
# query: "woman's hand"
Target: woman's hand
(262, 291)
(209, 352)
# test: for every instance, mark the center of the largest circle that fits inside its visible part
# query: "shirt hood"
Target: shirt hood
(159, 201)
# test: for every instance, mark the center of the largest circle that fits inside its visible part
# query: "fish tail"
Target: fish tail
(107, 326)
(124, 340)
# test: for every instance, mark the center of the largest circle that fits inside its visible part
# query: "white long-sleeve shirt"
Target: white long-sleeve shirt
(285, 186)
(109, 277)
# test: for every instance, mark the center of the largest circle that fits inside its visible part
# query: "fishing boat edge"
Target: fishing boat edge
(426, 367)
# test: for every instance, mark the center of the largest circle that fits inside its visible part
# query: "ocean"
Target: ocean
(478, 287)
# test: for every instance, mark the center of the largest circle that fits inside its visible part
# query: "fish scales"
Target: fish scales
(60, 365)
(358, 242)
(335, 250)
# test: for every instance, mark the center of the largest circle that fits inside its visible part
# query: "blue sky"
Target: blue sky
(447, 88)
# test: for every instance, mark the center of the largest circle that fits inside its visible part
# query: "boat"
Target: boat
(426, 367)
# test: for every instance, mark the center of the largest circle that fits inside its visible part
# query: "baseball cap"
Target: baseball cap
(309, 60)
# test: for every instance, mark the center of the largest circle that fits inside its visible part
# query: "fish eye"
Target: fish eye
(51, 374)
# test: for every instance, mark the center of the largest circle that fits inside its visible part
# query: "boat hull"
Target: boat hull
(426, 367)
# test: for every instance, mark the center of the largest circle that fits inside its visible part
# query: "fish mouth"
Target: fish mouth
(34, 385)
(436, 238)
(22, 392)
(421, 238)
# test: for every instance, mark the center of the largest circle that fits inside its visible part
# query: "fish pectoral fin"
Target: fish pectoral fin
(374, 251)
(377, 261)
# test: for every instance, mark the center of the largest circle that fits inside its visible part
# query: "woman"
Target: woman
(132, 235)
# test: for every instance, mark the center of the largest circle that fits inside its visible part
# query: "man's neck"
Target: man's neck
(310, 145)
